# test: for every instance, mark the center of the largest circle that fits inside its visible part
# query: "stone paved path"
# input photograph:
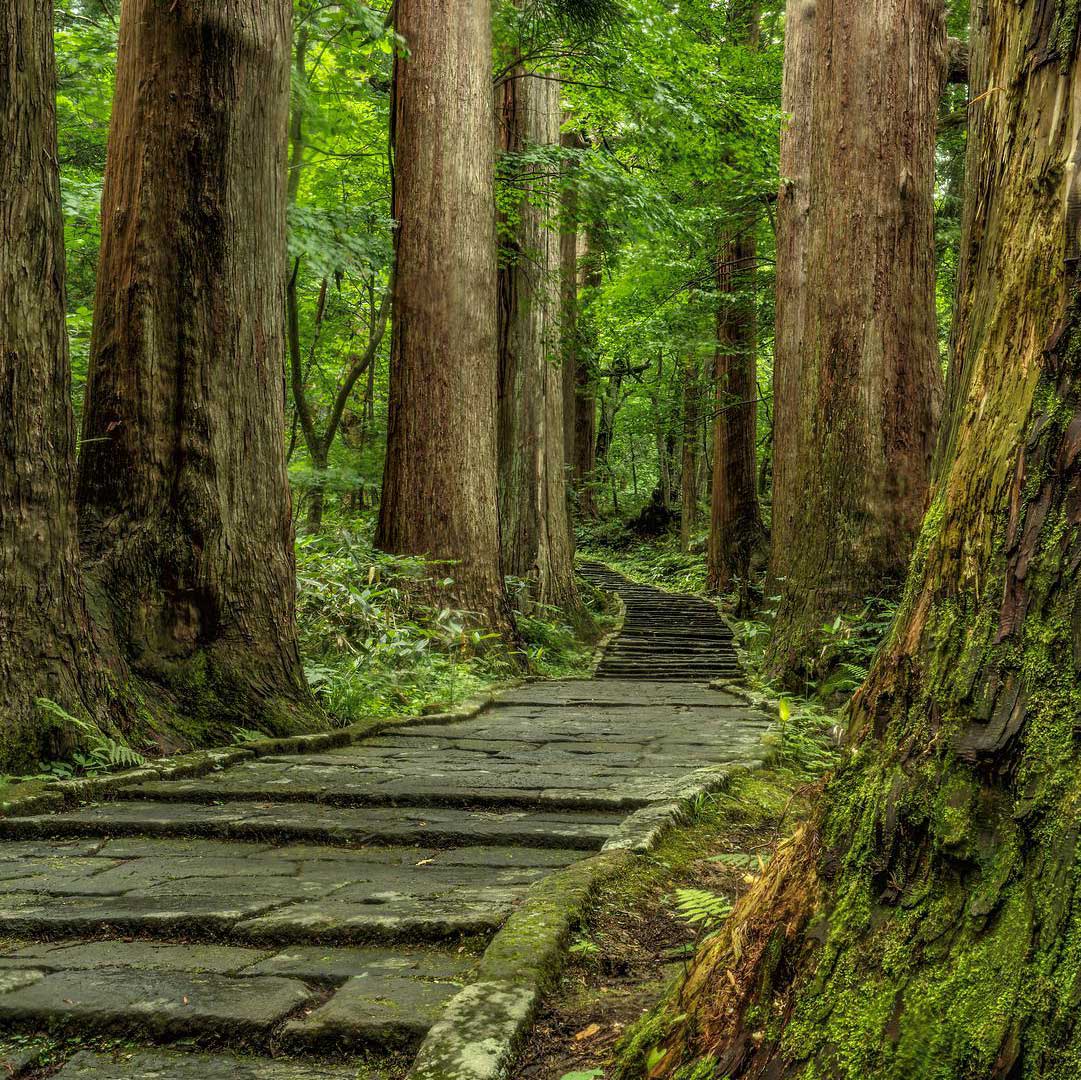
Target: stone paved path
(263, 920)
(665, 635)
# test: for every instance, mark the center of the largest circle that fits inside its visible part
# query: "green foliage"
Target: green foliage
(375, 644)
(659, 563)
(98, 752)
(702, 909)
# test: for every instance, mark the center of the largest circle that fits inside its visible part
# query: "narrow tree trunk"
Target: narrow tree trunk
(926, 926)
(857, 380)
(536, 536)
(568, 301)
(46, 646)
(585, 400)
(183, 494)
(664, 472)
(440, 487)
(736, 535)
(689, 454)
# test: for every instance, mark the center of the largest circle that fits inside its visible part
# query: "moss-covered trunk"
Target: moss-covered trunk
(929, 926)
(857, 385)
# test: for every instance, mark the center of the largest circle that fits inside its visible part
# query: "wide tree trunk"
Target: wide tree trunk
(183, 495)
(440, 490)
(46, 646)
(736, 535)
(926, 924)
(535, 527)
(857, 380)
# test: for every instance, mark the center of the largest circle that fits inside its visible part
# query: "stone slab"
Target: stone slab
(434, 826)
(335, 966)
(161, 1065)
(154, 1005)
(140, 955)
(372, 1009)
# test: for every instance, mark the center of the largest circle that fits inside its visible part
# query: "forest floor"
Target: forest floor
(265, 919)
(634, 946)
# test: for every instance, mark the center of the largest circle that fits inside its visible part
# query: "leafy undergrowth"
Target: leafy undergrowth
(646, 925)
(658, 562)
(371, 650)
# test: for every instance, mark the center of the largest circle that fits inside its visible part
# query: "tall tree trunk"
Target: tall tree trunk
(736, 534)
(46, 646)
(568, 301)
(689, 454)
(440, 490)
(183, 494)
(585, 396)
(857, 380)
(664, 459)
(942, 872)
(536, 536)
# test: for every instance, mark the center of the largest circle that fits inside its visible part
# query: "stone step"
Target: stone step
(317, 823)
(152, 1006)
(316, 965)
(380, 1007)
(639, 665)
(243, 894)
(169, 1065)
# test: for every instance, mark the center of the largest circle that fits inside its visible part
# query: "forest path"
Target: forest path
(266, 920)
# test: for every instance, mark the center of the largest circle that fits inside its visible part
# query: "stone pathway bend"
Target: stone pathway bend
(308, 917)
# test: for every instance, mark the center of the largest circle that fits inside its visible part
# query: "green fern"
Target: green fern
(100, 752)
(702, 908)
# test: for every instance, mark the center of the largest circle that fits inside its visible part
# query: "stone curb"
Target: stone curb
(484, 1026)
(55, 795)
(607, 639)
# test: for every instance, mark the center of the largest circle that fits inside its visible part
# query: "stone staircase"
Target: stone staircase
(665, 636)
(292, 912)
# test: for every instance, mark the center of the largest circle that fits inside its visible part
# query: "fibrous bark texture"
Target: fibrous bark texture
(736, 534)
(928, 925)
(536, 536)
(440, 489)
(857, 379)
(45, 634)
(183, 496)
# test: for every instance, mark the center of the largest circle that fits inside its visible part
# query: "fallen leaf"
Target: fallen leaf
(587, 1033)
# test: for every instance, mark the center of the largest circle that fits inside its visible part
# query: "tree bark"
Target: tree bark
(857, 380)
(688, 515)
(925, 926)
(585, 397)
(47, 647)
(183, 494)
(535, 528)
(568, 299)
(440, 491)
(736, 535)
